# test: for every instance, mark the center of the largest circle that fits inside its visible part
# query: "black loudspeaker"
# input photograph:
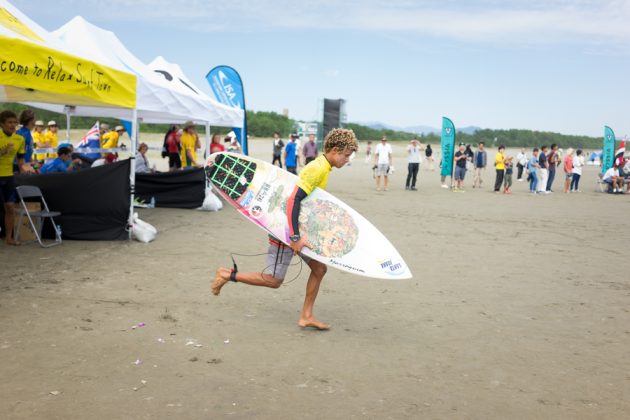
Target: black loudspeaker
(334, 114)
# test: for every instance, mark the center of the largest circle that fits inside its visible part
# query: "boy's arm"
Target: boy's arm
(294, 204)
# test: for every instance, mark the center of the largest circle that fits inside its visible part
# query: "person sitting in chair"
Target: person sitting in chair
(612, 178)
(62, 163)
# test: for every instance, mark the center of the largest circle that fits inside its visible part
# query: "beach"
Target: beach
(519, 308)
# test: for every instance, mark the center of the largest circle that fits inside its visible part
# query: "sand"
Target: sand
(518, 309)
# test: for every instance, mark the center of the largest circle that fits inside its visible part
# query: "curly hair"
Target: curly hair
(5, 115)
(340, 139)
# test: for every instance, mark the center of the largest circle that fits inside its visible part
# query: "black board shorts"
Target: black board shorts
(174, 160)
(7, 189)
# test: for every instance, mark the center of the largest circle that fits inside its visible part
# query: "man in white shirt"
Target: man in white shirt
(611, 177)
(521, 163)
(382, 162)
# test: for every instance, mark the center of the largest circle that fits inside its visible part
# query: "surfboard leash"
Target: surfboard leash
(284, 283)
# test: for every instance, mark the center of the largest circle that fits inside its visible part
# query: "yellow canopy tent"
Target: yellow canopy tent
(35, 67)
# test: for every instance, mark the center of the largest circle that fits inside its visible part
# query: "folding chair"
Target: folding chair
(29, 191)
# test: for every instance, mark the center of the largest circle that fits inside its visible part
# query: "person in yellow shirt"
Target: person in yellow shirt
(12, 147)
(338, 146)
(51, 139)
(499, 165)
(39, 139)
(190, 143)
(110, 140)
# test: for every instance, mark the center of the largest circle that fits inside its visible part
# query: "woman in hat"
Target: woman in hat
(190, 143)
(51, 139)
(38, 139)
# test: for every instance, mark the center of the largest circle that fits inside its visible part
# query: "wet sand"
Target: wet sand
(518, 309)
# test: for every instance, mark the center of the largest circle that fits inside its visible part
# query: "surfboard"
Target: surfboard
(337, 235)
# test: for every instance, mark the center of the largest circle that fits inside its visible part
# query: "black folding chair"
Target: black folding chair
(29, 192)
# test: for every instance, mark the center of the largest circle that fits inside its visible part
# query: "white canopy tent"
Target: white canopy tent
(158, 100)
(175, 75)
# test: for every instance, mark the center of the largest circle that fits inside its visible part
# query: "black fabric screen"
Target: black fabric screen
(182, 189)
(94, 203)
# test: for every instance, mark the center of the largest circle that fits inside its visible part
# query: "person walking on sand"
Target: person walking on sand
(552, 163)
(428, 153)
(382, 162)
(278, 144)
(310, 149)
(480, 160)
(460, 159)
(368, 152)
(413, 164)
(532, 165)
(521, 163)
(338, 146)
(291, 155)
(499, 165)
(507, 178)
(576, 173)
(544, 170)
(567, 166)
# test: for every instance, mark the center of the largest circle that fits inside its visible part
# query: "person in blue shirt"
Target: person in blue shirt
(62, 163)
(532, 168)
(27, 121)
(480, 160)
(290, 155)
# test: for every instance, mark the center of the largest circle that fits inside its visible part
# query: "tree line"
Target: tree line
(264, 124)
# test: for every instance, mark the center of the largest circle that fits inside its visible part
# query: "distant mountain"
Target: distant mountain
(417, 129)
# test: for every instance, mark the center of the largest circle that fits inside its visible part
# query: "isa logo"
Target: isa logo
(392, 267)
(246, 200)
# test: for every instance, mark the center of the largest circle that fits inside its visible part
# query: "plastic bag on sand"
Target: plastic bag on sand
(142, 231)
(211, 202)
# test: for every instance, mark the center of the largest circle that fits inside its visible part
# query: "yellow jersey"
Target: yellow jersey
(110, 140)
(315, 174)
(54, 141)
(189, 143)
(6, 160)
(499, 161)
(39, 139)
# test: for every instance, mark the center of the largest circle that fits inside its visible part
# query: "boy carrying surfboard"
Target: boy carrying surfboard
(338, 147)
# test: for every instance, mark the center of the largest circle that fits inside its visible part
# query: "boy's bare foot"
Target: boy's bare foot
(222, 277)
(313, 323)
(11, 242)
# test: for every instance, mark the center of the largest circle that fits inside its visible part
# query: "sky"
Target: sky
(553, 65)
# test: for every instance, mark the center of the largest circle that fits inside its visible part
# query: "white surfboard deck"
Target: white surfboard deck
(337, 235)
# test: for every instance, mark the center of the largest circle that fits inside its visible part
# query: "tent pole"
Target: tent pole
(132, 166)
(68, 125)
(207, 139)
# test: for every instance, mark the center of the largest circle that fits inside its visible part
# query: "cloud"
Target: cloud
(331, 73)
(521, 21)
